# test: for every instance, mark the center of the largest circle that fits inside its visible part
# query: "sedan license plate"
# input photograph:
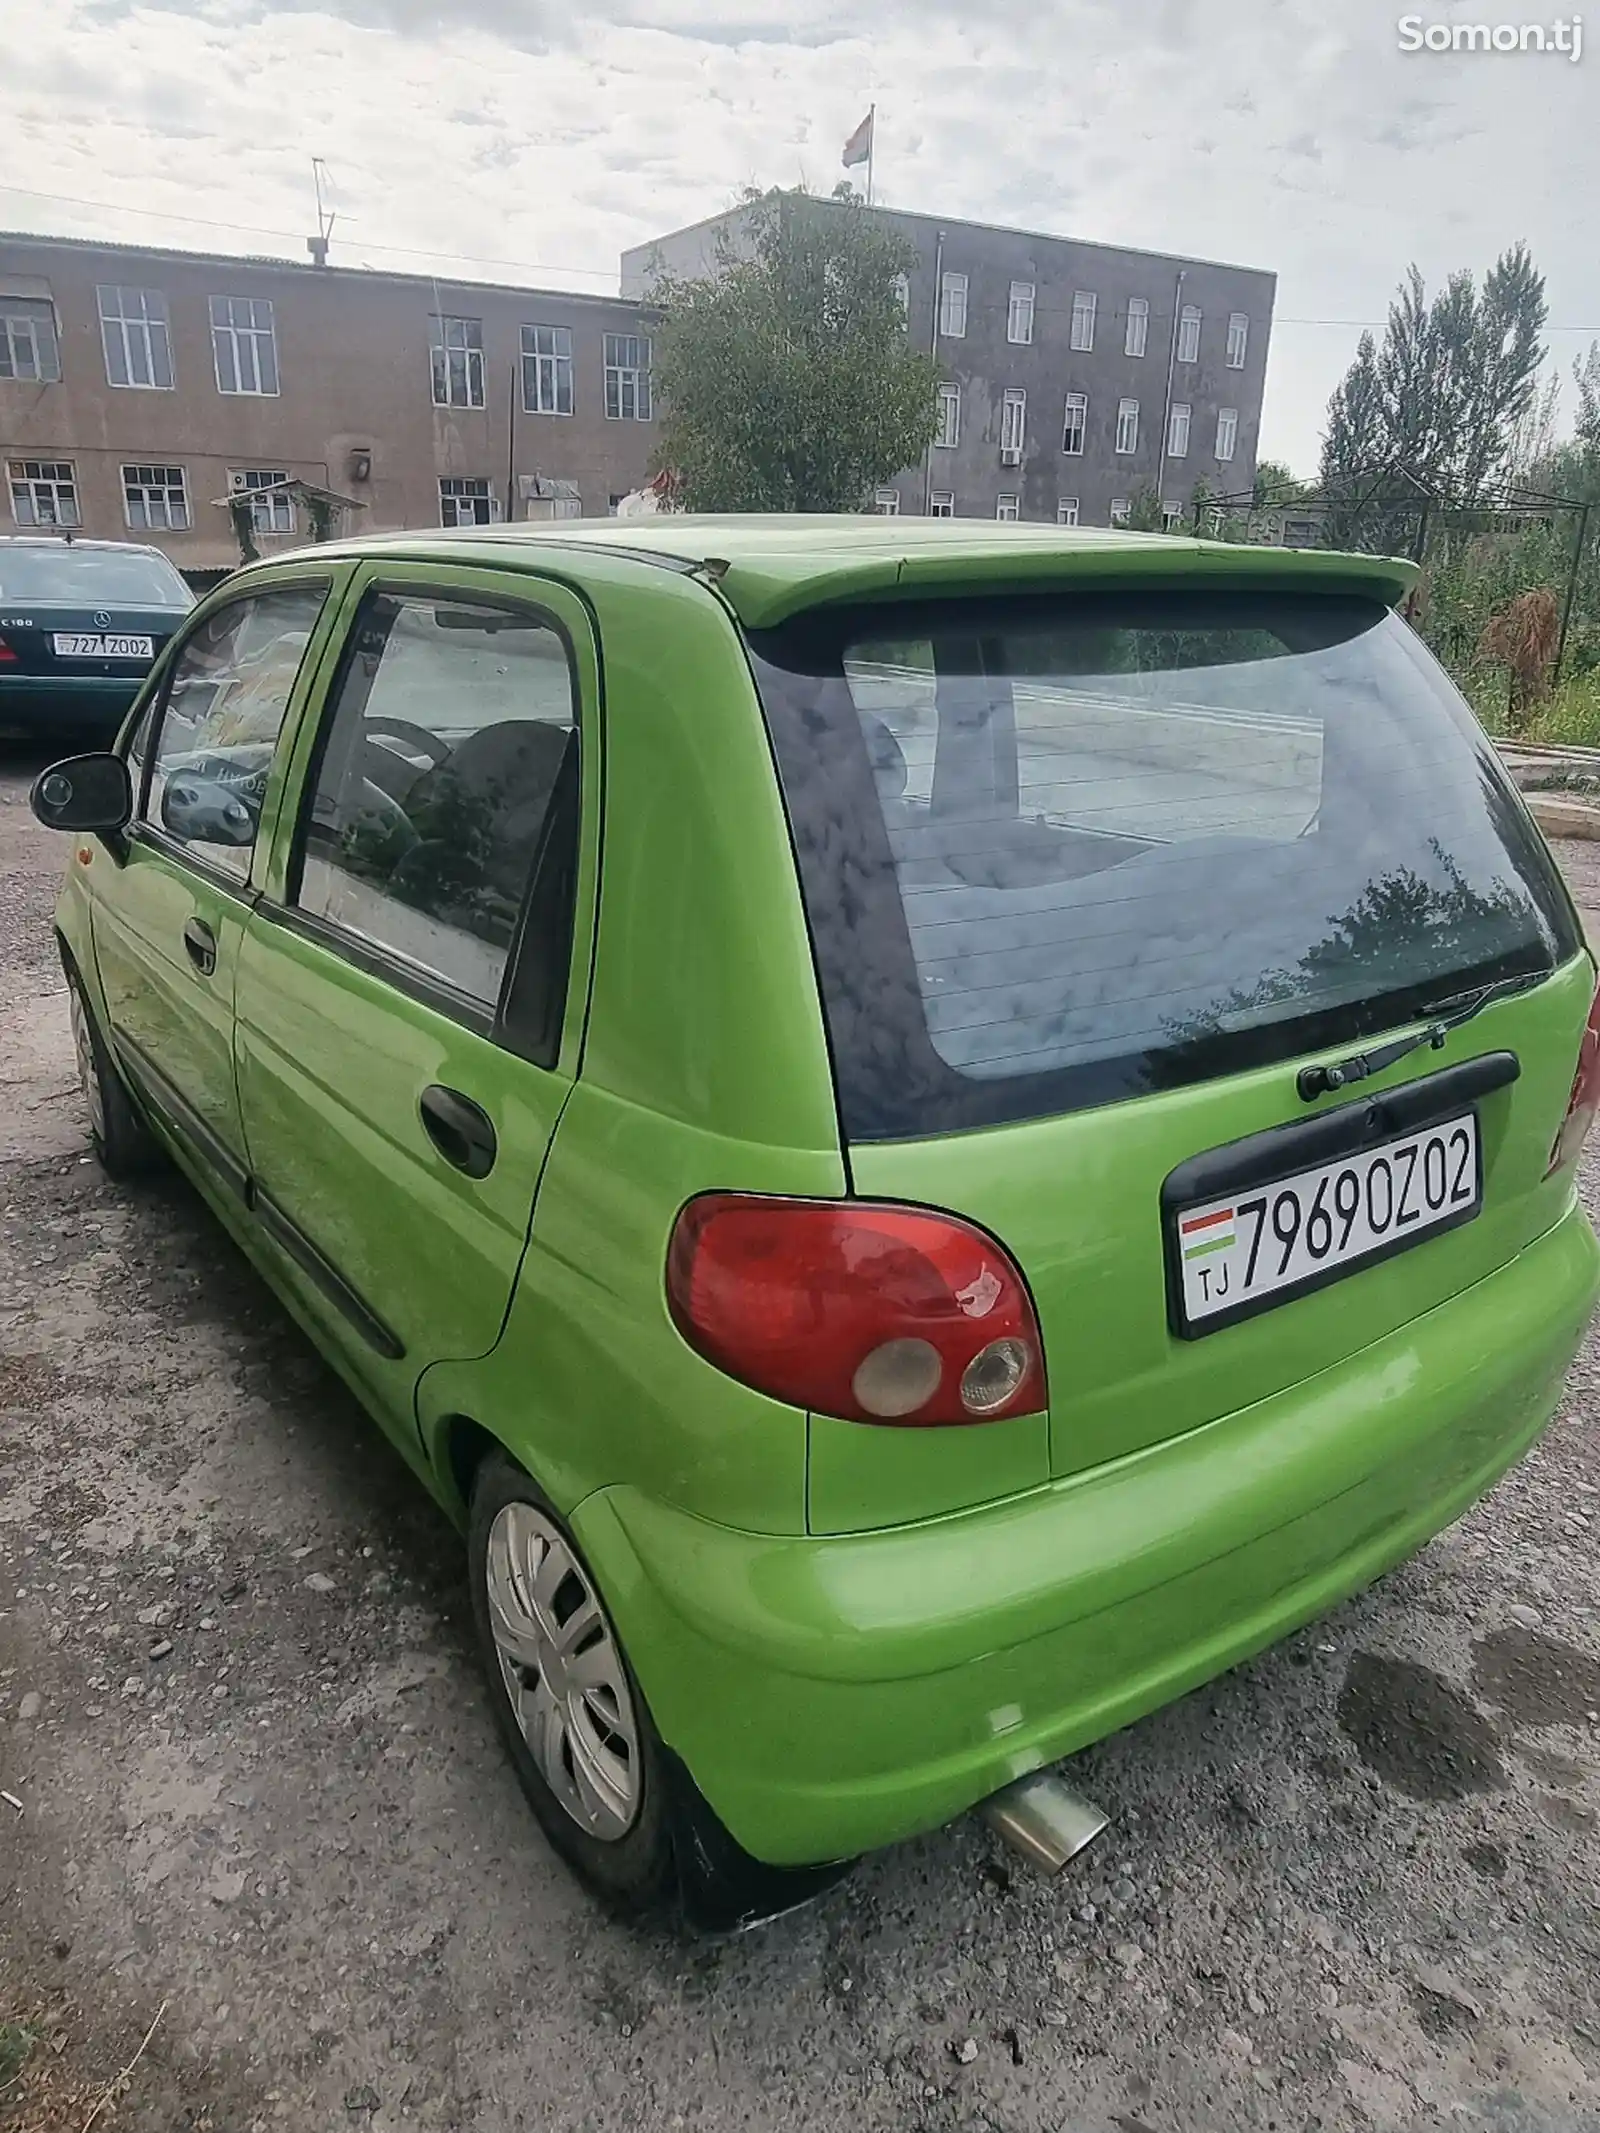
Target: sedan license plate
(1258, 1248)
(69, 645)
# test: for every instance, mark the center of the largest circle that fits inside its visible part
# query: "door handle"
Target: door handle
(460, 1131)
(201, 944)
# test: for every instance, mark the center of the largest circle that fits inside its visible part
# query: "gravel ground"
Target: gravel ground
(261, 1807)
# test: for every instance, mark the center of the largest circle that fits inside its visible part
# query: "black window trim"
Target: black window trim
(153, 836)
(527, 1016)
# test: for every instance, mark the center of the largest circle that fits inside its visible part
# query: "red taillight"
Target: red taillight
(7, 656)
(871, 1312)
(1584, 1101)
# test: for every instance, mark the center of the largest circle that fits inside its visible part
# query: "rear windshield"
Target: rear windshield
(1057, 852)
(91, 577)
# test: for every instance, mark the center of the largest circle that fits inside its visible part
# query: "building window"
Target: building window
(547, 370)
(1227, 431)
(948, 434)
(1138, 326)
(244, 344)
(465, 500)
(1067, 511)
(1083, 318)
(456, 346)
(942, 504)
(1119, 509)
(1189, 334)
(44, 492)
(1077, 421)
(29, 350)
(1127, 425)
(133, 331)
(1019, 314)
(1178, 431)
(1013, 420)
(1238, 339)
(1005, 508)
(1170, 516)
(902, 293)
(953, 306)
(156, 498)
(887, 503)
(268, 514)
(628, 377)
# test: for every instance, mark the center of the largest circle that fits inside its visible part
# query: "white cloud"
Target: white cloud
(540, 140)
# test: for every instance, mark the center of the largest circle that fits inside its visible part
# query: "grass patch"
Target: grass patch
(1570, 719)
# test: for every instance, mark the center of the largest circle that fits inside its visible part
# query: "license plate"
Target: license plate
(1261, 1247)
(71, 646)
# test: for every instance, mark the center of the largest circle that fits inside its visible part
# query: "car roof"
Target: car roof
(770, 566)
(56, 540)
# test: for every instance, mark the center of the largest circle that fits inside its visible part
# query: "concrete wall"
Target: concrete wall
(353, 361)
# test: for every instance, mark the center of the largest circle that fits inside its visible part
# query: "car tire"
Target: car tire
(123, 1142)
(573, 1719)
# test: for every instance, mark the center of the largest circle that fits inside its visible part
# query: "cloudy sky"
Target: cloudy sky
(536, 138)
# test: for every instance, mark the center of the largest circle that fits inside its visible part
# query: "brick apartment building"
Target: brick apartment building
(1075, 375)
(140, 387)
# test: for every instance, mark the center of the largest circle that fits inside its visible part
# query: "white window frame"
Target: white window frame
(1171, 514)
(1119, 509)
(1178, 426)
(244, 345)
(1075, 404)
(941, 503)
(953, 307)
(1136, 339)
(1189, 334)
(886, 503)
(455, 359)
(44, 492)
(1127, 427)
(1019, 314)
(902, 290)
(1238, 340)
(30, 344)
(948, 434)
(268, 514)
(474, 489)
(1008, 507)
(135, 337)
(1227, 433)
(627, 377)
(155, 496)
(1066, 511)
(547, 368)
(1013, 419)
(1084, 306)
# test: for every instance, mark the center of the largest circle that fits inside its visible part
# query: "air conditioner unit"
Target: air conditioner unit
(1011, 455)
(238, 481)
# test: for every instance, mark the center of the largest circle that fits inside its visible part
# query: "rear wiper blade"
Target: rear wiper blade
(1315, 1081)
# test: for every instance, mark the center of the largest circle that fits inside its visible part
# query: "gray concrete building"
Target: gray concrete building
(140, 388)
(1076, 375)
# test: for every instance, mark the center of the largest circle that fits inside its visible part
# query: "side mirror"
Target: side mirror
(205, 811)
(86, 792)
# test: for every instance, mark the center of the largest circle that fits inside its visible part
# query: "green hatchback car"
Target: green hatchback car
(928, 1133)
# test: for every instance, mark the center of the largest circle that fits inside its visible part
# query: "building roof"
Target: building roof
(769, 567)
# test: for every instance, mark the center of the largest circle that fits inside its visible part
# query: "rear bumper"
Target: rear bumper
(48, 707)
(832, 1695)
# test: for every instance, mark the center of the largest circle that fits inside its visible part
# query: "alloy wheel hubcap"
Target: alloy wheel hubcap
(88, 1079)
(563, 1672)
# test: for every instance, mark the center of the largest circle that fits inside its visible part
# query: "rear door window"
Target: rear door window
(449, 756)
(1059, 851)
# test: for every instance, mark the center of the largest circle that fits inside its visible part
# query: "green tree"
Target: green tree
(787, 380)
(1586, 375)
(1442, 397)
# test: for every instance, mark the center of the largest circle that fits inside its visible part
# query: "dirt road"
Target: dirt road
(1354, 1884)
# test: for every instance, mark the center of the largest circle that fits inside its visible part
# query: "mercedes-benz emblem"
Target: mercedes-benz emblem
(102, 621)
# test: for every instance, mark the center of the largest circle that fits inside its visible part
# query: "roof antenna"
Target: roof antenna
(318, 246)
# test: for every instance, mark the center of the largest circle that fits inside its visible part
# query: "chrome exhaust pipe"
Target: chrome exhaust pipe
(1043, 1819)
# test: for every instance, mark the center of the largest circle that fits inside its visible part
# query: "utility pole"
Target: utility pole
(933, 350)
(1166, 412)
(318, 246)
(511, 447)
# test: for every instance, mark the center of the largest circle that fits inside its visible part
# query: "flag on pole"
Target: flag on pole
(858, 149)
